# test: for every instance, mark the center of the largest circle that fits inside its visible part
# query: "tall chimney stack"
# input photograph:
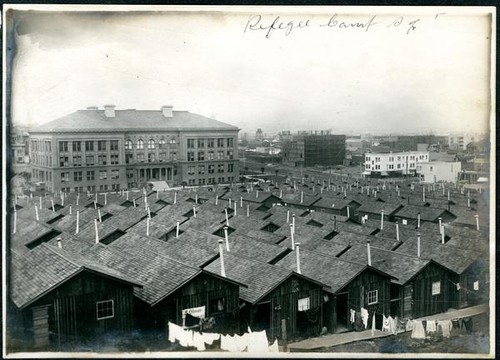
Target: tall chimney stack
(221, 254)
(368, 253)
(297, 250)
(167, 111)
(109, 111)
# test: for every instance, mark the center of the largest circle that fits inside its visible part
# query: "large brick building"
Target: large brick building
(112, 149)
(310, 150)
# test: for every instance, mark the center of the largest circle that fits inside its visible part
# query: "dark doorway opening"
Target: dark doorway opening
(342, 312)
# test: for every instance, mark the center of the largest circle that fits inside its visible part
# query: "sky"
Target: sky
(348, 70)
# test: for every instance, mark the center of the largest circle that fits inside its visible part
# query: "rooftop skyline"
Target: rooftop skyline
(381, 77)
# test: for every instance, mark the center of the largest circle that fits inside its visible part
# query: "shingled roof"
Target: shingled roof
(131, 120)
(39, 271)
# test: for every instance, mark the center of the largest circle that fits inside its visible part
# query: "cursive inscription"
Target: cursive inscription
(334, 22)
(255, 23)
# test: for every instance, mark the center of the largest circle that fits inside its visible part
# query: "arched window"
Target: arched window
(128, 145)
(140, 144)
(151, 144)
(161, 144)
(172, 140)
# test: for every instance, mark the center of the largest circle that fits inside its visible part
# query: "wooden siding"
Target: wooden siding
(284, 305)
(73, 308)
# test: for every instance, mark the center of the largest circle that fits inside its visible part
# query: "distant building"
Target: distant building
(115, 149)
(459, 142)
(259, 135)
(411, 142)
(394, 164)
(436, 171)
(311, 150)
(19, 155)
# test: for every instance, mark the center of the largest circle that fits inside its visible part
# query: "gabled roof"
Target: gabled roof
(39, 271)
(426, 213)
(131, 120)
(261, 278)
(372, 206)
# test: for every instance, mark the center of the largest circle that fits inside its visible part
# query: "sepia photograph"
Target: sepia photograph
(248, 181)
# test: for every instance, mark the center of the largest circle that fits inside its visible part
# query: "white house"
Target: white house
(436, 171)
(394, 164)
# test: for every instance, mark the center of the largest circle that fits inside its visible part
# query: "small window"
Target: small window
(436, 288)
(105, 309)
(372, 297)
(476, 285)
(304, 304)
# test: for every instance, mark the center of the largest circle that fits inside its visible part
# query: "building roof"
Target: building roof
(37, 272)
(131, 120)
(426, 213)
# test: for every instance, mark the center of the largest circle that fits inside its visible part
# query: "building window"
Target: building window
(91, 188)
(190, 170)
(230, 168)
(65, 177)
(436, 288)
(230, 142)
(221, 179)
(115, 174)
(211, 180)
(90, 175)
(89, 146)
(304, 304)
(201, 181)
(201, 143)
(105, 309)
(372, 297)
(63, 161)
(191, 182)
(77, 160)
(190, 143)
(113, 145)
(220, 142)
(230, 154)
(89, 160)
(210, 143)
(211, 155)
(173, 156)
(140, 157)
(103, 174)
(220, 168)
(190, 156)
(162, 156)
(103, 159)
(129, 158)
(140, 144)
(151, 144)
(211, 169)
(201, 169)
(77, 175)
(63, 146)
(114, 159)
(220, 155)
(201, 155)
(151, 157)
(128, 145)
(77, 146)
(101, 145)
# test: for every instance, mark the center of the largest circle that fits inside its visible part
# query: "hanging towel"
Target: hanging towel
(409, 325)
(431, 326)
(373, 324)
(209, 338)
(418, 330)
(174, 331)
(364, 317)
(352, 316)
(274, 347)
(198, 341)
(258, 342)
(186, 338)
(446, 326)
(241, 342)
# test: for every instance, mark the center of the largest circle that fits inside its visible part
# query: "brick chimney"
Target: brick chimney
(167, 111)
(109, 111)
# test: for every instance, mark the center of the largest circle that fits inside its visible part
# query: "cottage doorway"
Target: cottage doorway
(342, 312)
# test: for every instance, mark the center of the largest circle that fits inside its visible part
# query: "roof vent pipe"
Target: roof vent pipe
(292, 237)
(227, 238)
(382, 220)
(77, 222)
(440, 224)
(477, 222)
(177, 229)
(418, 220)
(368, 253)
(59, 243)
(297, 250)
(442, 235)
(36, 213)
(96, 232)
(221, 254)
(397, 231)
(418, 244)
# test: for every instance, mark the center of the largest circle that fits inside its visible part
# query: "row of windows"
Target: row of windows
(41, 145)
(102, 145)
(44, 160)
(41, 175)
(210, 168)
(210, 180)
(399, 158)
(90, 175)
(162, 144)
(92, 188)
(210, 155)
(90, 160)
(129, 158)
(390, 166)
(209, 142)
